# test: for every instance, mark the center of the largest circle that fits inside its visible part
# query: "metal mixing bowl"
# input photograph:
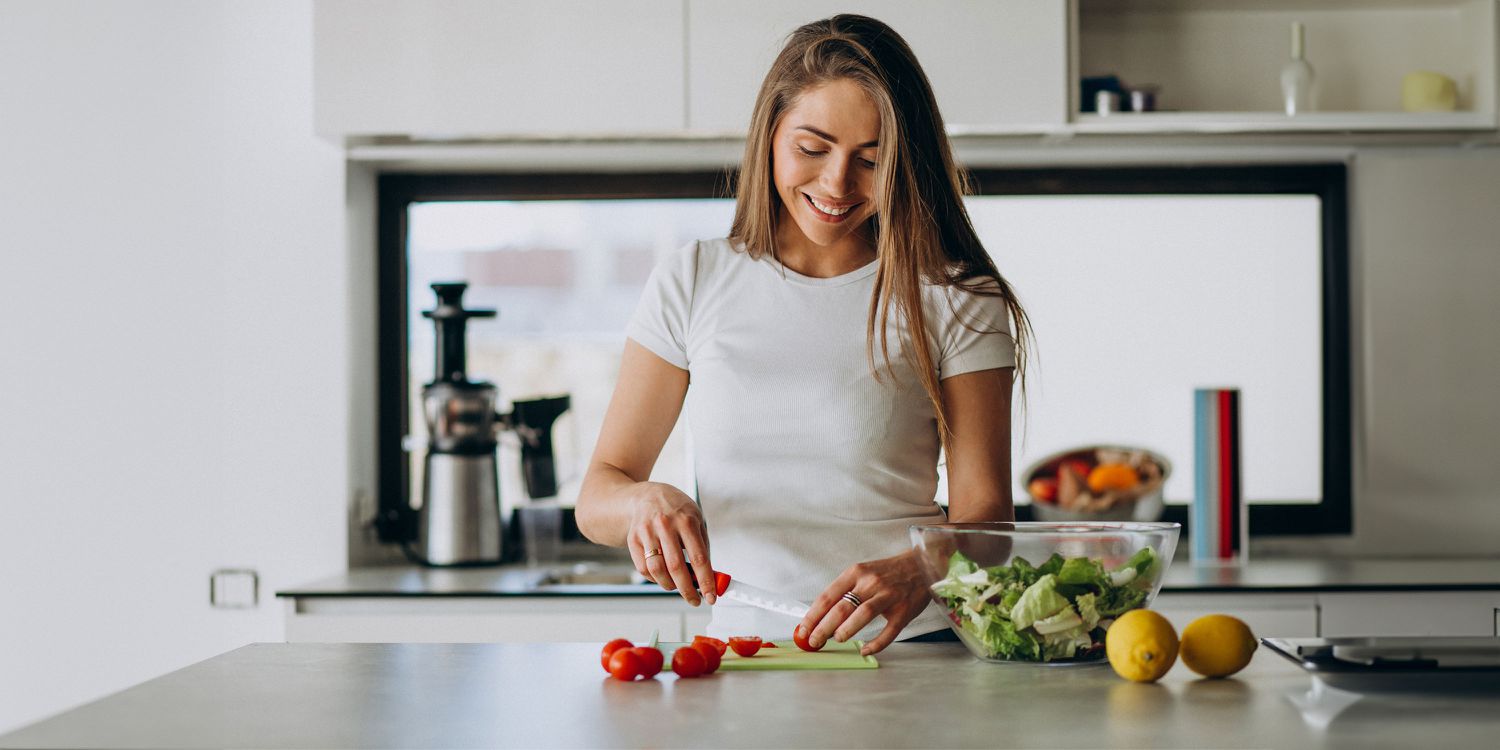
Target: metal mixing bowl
(1147, 508)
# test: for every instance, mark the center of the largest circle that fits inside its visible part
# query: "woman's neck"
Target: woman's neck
(795, 251)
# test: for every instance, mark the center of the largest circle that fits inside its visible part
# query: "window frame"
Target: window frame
(396, 520)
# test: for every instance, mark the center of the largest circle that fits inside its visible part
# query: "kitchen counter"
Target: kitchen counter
(555, 695)
(1258, 576)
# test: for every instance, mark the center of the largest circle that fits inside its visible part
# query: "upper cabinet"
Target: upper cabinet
(440, 69)
(995, 65)
(516, 70)
(1217, 65)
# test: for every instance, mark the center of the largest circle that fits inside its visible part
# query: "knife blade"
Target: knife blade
(728, 588)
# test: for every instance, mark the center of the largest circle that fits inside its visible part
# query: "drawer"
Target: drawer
(479, 620)
(1410, 613)
(1268, 615)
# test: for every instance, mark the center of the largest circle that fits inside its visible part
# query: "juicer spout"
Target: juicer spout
(532, 422)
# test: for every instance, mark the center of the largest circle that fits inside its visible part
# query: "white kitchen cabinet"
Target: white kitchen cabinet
(1268, 615)
(453, 619)
(1339, 614)
(695, 621)
(487, 619)
(1410, 613)
(387, 71)
(450, 68)
(995, 65)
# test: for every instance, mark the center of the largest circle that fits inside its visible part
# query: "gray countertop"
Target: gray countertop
(1269, 575)
(308, 695)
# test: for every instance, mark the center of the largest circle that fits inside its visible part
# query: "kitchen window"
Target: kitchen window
(1142, 284)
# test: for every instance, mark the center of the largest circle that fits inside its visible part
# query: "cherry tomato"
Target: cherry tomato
(1044, 489)
(720, 646)
(712, 656)
(799, 637)
(745, 646)
(610, 649)
(769, 644)
(625, 664)
(651, 661)
(1079, 465)
(688, 662)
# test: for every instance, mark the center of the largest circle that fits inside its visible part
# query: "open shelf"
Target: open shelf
(1217, 63)
(1313, 122)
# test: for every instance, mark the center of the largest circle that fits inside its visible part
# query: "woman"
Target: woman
(849, 327)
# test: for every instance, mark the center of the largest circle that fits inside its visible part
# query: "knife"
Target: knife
(728, 588)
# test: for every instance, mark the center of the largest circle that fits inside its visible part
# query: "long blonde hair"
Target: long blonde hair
(922, 230)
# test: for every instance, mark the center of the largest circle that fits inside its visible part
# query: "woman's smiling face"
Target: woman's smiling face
(823, 162)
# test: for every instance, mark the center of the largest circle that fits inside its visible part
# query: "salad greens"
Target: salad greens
(1057, 610)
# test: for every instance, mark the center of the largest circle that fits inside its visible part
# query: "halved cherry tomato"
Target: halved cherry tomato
(711, 656)
(1078, 465)
(625, 664)
(610, 649)
(746, 645)
(799, 637)
(688, 662)
(651, 661)
(720, 646)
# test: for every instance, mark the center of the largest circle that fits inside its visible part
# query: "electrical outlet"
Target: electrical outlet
(234, 588)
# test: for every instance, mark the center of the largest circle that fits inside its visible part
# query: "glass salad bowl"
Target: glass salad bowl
(1042, 593)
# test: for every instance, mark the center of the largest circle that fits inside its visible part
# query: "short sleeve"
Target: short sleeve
(975, 333)
(661, 318)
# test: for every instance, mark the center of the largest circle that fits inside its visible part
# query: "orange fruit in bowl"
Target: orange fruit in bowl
(1106, 477)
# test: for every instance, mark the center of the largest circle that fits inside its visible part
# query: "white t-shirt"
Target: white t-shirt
(805, 464)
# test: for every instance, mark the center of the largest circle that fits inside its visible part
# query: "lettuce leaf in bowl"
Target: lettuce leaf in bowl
(1047, 612)
(1039, 601)
(1004, 641)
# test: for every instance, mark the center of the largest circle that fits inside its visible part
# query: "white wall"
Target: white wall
(173, 317)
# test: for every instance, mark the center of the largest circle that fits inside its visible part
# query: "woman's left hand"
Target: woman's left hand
(893, 587)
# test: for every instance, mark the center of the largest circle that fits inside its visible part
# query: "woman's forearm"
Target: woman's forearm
(997, 507)
(603, 511)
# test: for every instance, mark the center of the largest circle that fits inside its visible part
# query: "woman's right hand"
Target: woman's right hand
(668, 541)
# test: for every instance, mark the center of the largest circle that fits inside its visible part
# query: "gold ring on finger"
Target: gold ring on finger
(650, 553)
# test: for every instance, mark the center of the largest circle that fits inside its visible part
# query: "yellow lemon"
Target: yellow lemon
(1217, 645)
(1141, 645)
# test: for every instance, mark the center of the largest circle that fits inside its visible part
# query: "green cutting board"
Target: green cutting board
(786, 655)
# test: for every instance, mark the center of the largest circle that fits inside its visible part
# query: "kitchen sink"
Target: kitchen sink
(589, 576)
